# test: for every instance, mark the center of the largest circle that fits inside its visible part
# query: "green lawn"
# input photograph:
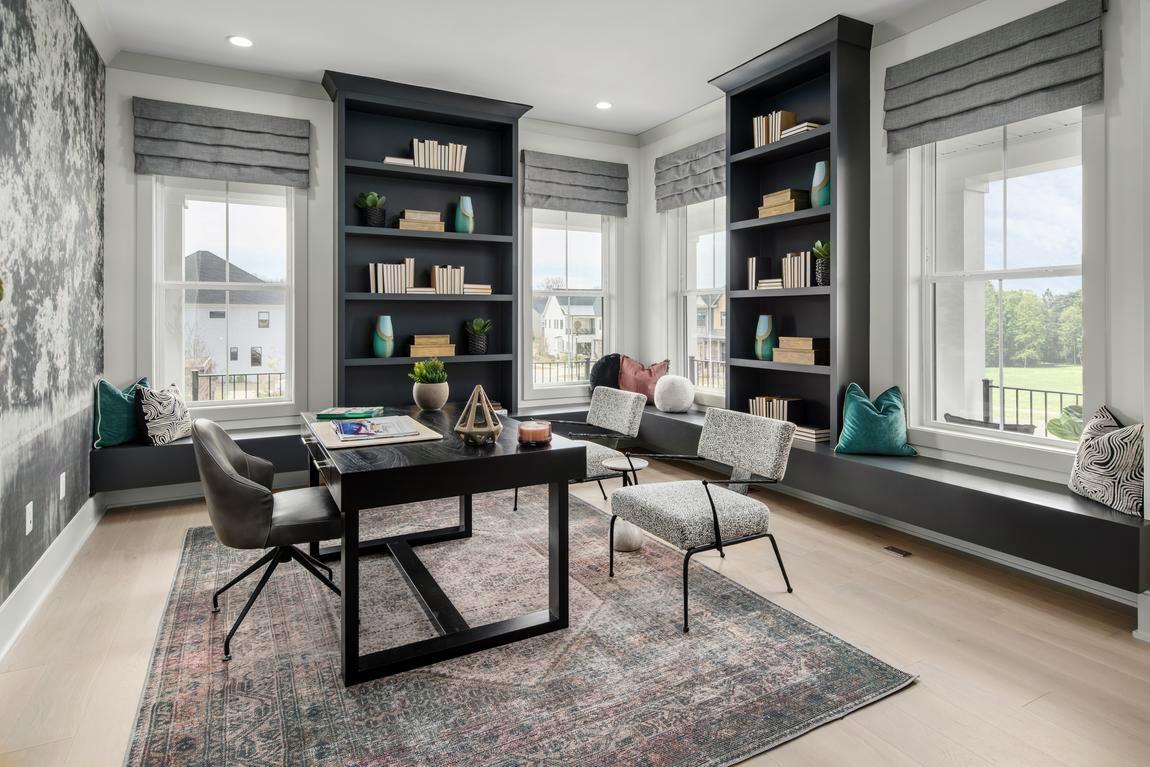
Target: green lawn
(1036, 408)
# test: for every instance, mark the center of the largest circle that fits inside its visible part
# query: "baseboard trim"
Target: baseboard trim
(29, 594)
(1106, 591)
(187, 491)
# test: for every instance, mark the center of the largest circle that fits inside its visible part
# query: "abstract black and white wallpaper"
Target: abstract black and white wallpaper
(51, 264)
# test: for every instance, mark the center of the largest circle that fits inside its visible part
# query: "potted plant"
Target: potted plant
(430, 388)
(822, 251)
(374, 214)
(477, 330)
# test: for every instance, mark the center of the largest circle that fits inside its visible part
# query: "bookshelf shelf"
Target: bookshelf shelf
(785, 367)
(388, 231)
(820, 76)
(444, 297)
(386, 170)
(379, 118)
(811, 141)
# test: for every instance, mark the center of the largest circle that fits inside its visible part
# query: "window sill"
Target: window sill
(249, 414)
(1037, 461)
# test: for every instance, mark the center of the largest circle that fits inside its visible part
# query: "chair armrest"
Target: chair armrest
(740, 481)
(557, 420)
(261, 471)
(667, 456)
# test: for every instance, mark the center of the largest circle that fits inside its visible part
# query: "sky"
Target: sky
(253, 237)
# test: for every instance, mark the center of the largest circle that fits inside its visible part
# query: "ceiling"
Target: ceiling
(650, 58)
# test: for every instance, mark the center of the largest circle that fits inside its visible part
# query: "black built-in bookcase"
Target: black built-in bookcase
(821, 76)
(376, 118)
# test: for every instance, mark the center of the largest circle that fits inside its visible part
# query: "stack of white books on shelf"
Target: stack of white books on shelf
(779, 408)
(771, 283)
(391, 278)
(795, 130)
(812, 434)
(769, 128)
(447, 279)
(797, 270)
(476, 289)
(429, 153)
(392, 160)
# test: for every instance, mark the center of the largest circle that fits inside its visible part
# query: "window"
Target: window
(1002, 281)
(222, 269)
(697, 241)
(568, 265)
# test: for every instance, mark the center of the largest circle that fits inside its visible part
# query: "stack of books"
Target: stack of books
(476, 289)
(797, 270)
(421, 220)
(779, 408)
(447, 279)
(812, 433)
(391, 278)
(795, 130)
(771, 283)
(784, 201)
(802, 350)
(769, 128)
(429, 153)
(392, 160)
(341, 413)
(432, 346)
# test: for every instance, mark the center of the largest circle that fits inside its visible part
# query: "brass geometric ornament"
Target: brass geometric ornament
(478, 424)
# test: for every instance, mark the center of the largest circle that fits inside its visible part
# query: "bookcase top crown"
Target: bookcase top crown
(419, 97)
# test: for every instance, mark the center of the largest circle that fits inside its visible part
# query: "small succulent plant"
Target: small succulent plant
(429, 371)
(479, 326)
(822, 250)
(370, 200)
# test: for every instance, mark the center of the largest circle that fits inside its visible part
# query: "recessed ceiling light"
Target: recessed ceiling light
(239, 41)
(603, 105)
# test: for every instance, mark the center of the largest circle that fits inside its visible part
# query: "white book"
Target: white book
(410, 269)
(463, 158)
(371, 277)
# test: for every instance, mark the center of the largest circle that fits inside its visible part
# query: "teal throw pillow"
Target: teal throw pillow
(116, 413)
(874, 428)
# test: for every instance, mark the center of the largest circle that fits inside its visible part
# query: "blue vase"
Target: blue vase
(383, 339)
(464, 216)
(766, 338)
(821, 185)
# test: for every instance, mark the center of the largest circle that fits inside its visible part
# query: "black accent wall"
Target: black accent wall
(51, 263)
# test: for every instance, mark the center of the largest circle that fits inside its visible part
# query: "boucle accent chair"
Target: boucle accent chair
(700, 515)
(616, 414)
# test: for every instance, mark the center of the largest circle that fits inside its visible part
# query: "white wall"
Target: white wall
(120, 288)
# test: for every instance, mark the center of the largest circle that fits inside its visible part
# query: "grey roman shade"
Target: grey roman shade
(1042, 63)
(558, 182)
(221, 144)
(695, 174)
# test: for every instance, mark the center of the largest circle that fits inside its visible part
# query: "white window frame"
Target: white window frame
(149, 247)
(575, 393)
(1039, 457)
(680, 267)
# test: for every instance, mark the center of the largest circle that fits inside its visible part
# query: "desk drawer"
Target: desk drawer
(316, 455)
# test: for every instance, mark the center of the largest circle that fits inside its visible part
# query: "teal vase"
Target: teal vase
(766, 338)
(821, 186)
(383, 339)
(464, 216)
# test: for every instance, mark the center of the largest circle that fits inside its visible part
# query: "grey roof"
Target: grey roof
(205, 266)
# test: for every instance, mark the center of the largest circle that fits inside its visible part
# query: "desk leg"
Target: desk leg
(465, 514)
(349, 599)
(558, 544)
(312, 481)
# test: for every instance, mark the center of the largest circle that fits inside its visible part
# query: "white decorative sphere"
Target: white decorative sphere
(674, 394)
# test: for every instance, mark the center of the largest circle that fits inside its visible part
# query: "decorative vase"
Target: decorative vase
(429, 396)
(464, 216)
(766, 338)
(375, 216)
(383, 339)
(476, 343)
(822, 272)
(821, 186)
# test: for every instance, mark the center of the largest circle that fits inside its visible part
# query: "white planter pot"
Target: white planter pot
(429, 396)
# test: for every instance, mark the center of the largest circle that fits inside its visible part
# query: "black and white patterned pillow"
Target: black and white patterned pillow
(1109, 467)
(164, 413)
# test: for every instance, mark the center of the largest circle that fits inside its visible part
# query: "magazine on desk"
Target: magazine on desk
(374, 428)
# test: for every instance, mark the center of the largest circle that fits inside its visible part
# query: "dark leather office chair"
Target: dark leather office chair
(246, 514)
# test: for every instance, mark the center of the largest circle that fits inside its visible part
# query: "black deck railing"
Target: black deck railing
(1025, 407)
(708, 374)
(221, 387)
(561, 371)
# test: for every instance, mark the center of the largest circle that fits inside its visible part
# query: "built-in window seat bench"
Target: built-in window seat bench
(1033, 520)
(130, 467)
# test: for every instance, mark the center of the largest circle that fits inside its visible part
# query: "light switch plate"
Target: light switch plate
(28, 519)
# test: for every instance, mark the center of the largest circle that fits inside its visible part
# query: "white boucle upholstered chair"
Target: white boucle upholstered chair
(699, 515)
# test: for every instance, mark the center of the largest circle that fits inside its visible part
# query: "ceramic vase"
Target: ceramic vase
(429, 396)
(375, 216)
(383, 339)
(822, 272)
(464, 216)
(766, 338)
(821, 186)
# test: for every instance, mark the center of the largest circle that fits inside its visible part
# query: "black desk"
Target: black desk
(370, 477)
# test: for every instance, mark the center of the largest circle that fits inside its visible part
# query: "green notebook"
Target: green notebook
(342, 413)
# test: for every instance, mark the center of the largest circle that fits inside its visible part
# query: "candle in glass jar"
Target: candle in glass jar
(534, 432)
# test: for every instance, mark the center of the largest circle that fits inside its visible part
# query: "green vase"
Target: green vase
(821, 186)
(383, 339)
(464, 216)
(766, 338)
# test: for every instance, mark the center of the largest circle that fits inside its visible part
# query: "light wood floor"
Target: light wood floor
(1011, 670)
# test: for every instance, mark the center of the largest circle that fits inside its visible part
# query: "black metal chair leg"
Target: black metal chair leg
(611, 548)
(259, 563)
(248, 605)
(515, 506)
(779, 557)
(601, 490)
(317, 563)
(686, 562)
(303, 560)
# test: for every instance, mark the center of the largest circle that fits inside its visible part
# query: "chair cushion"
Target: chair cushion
(679, 513)
(596, 454)
(304, 515)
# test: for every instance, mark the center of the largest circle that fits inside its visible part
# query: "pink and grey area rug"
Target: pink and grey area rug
(621, 686)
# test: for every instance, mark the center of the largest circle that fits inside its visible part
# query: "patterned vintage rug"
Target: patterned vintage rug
(621, 687)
